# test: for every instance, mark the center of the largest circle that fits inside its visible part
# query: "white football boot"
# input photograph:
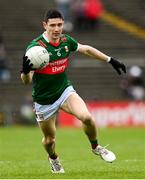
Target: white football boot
(105, 154)
(56, 166)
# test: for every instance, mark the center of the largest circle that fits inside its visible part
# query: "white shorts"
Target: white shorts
(44, 112)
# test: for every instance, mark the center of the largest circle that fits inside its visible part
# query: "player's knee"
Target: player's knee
(48, 140)
(86, 118)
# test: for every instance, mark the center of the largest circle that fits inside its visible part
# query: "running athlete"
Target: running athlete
(53, 91)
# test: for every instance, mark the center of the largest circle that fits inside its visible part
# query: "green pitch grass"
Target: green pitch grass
(23, 157)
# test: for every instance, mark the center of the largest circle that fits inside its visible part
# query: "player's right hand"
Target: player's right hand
(26, 65)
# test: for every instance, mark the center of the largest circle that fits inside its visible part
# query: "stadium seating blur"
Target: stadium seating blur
(21, 22)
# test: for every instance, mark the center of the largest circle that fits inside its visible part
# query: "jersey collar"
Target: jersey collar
(46, 38)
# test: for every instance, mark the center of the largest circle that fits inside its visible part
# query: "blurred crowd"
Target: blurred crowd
(4, 69)
(86, 14)
(133, 84)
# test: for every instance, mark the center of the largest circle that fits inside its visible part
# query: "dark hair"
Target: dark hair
(52, 13)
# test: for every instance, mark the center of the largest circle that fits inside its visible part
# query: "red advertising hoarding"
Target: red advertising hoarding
(110, 114)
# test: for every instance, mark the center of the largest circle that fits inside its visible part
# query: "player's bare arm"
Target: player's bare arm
(92, 52)
(96, 54)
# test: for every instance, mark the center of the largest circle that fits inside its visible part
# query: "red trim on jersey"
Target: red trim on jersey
(54, 67)
(41, 43)
(55, 44)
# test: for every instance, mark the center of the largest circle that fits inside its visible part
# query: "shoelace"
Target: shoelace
(102, 150)
(106, 145)
(57, 165)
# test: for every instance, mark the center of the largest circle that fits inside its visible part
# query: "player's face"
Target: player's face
(54, 28)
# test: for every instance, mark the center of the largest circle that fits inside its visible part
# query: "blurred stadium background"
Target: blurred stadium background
(121, 34)
(20, 22)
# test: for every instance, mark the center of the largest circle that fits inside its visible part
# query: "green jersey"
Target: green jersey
(50, 81)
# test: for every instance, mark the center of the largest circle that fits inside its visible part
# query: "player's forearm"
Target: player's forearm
(26, 78)
(96, 54)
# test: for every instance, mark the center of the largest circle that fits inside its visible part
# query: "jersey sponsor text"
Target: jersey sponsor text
(55, 67)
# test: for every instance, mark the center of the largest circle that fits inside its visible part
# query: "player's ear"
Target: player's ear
(44, 24)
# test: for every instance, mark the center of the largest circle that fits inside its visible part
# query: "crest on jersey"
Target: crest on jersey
(63, 38)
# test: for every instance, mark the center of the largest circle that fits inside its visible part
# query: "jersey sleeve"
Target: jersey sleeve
(32, 44)
(72, 43)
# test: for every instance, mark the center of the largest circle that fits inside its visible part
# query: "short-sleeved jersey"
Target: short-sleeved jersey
(50, 81)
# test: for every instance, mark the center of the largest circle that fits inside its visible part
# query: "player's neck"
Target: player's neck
(52, 40)
(55, 41)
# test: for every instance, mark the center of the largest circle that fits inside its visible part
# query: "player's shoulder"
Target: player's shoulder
(67, 38)
(70, 42)
(38, 41)
(63, 38)
(40, 37)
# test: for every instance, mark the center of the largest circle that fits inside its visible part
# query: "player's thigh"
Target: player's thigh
(75, 105)
(48, 126)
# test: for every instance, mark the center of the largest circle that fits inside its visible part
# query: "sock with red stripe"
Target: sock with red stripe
(94, 144)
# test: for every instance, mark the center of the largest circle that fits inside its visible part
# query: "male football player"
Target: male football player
(53, 91)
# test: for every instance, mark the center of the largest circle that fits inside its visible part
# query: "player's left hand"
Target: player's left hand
(118, 66)
(26, 65)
